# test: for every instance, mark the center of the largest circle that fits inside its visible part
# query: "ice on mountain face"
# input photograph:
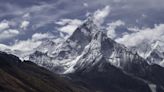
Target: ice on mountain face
(67, 53)
(87, 47)
(91, 53)
(102, 47)
(71, 65)
(162, 63)
(153, 87)
(42, 59)
(75, 44)
(46, 46)
(41, 55)
(151, 51)
(156, 57)
(144, 50)
(154, 46)
(96, 47)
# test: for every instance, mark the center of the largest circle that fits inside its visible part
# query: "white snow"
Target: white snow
(153, 87)
(72, 64)
(114, 60)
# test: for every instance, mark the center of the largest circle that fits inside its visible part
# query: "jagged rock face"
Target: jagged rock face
(75, 44)
(116, 54)
(104, 76)
(41, 59)
(90, 55)
(85, 47)
(156, 57)
(67, 51)
(153, 52)
(89, 52)
(46, 46)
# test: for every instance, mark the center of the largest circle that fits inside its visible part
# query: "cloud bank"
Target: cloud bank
(142, 35)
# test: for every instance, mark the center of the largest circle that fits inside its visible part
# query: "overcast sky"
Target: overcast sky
(22, 20)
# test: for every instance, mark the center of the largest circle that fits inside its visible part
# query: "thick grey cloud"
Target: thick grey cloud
(41, 15)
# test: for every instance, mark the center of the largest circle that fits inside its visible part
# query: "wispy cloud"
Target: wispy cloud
(100, 15)
(4, 25)
(68, 25)
(41, 36)
(9, 33)
(24, 25)
(25, 45)
(29, 44)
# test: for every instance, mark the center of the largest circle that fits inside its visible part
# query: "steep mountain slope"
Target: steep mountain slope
(90, 57)
(18, 76)
(66, 54)
(103, 47)
(157, 54)
(151, 51)
(103, 59)
(67, 51)
(106, 78)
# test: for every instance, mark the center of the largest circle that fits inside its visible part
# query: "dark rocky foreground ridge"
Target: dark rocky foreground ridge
(18, 76)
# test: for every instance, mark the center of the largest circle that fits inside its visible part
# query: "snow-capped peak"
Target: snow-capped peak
(152, 51)
(87, 47)
(67, 52)
(102, 49)
(156, 55)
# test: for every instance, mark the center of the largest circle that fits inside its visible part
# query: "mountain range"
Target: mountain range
(90, 61)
